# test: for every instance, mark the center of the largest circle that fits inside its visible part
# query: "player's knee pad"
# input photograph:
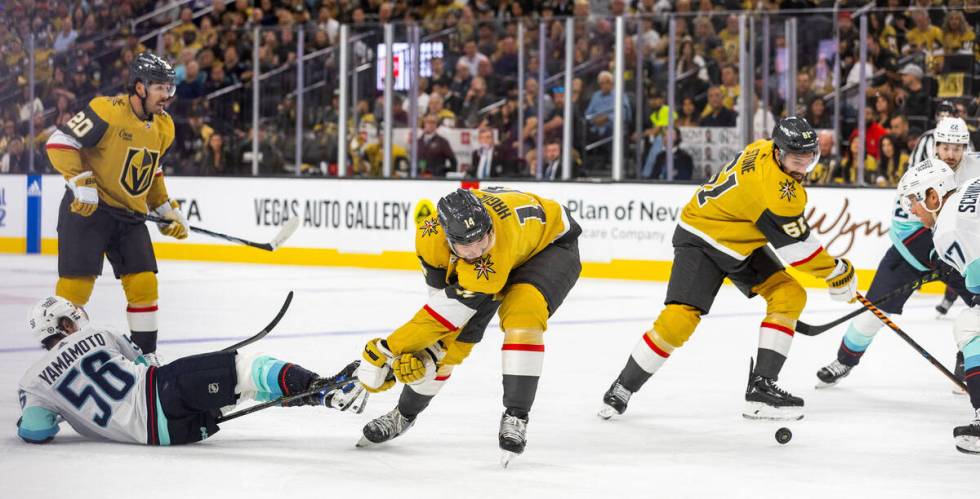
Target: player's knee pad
(141, 288)
(785, 298)
(456, 352)
(676, 323)
(76, 289)
(967, 327)
(523, 307)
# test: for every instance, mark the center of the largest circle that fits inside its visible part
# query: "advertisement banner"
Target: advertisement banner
(13, 212)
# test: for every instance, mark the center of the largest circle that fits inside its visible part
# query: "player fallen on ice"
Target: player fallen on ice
(907, 259)
(758, 199)
(97, 380)
(486, 250)
(929, 192)
(111, 154)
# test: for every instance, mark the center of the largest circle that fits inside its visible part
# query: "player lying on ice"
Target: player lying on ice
(724, 231)
(97, 380)
(487, 249)
(929, 191)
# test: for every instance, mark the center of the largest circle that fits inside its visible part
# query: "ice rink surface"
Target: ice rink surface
(885, 431)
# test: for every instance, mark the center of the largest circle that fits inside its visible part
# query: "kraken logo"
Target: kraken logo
(137, 171)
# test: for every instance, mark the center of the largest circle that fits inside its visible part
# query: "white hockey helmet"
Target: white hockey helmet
(47, 314)
(952, 130)
(927, 174)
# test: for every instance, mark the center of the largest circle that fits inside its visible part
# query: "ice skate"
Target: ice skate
(512, 436)
(832, 373)
(384, 428)
(615, 400)
(766, 400)
(943, 308)
(967, 437)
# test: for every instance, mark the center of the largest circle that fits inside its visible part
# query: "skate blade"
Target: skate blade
(762, 412)
(506, 457)
(823, 384)
(958, 391)
(364, 443)
(967, 444)
(607, 412)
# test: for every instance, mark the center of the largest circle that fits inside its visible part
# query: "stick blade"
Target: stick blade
(285, 232)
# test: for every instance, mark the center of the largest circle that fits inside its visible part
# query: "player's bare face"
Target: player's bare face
(951, 154)
(795, 164)
(158, 97)
(919, 209)
(473, 251)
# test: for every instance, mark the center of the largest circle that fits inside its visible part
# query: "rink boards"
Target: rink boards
(370, 223)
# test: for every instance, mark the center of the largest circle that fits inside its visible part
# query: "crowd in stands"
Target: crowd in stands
(918, 55)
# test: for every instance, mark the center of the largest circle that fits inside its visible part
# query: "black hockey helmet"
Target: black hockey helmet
(150, 68)
(463, 217)
(794, 134)
(946, 108)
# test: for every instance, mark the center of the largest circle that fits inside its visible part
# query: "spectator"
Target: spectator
(446, 117)
(16, 159)
(472, 57)
(892, 161)
(552, 165)
(531, 99)
(683, 163)
(804, 94)
(66, 37)
(915, 98)
(884, 108)
(817, 114)
(601, 110)
(435, 155)
(827, 163)
(873, 132)
(216, 158)
(923, 35)
(899, 129)
(653, 134)
(715, 114)
(474, 103)
(689, 115)
(730, 89)
(460, 84)
(847, 172)
(8, 134)
(958, 38)
(489, 160)
(439, 74)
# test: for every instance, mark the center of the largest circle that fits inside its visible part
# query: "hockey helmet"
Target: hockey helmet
(794, 134)
(463, 217)
(45, 319)
(945, 109)
(951, 130)
(927, 174)
(151, 68)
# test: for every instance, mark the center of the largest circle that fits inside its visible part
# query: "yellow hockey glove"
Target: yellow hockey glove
(374, 373)
(418, 367)
(83, 187)
(842, 282)
(178, 226)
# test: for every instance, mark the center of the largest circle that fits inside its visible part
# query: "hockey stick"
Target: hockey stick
(285, 231)
(908, 339)
(282, 400)
(813, 330)
(261, 334)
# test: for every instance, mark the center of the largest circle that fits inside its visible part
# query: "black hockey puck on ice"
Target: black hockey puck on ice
(783, 435)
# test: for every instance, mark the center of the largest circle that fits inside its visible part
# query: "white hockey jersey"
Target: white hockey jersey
(95, 379)
(956, 235)
(905, 226)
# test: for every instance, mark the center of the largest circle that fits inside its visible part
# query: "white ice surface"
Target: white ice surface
(886, 431)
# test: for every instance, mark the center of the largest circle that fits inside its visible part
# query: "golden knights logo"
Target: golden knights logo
(484, 267)
(138, 169)
(430, 227)
(787, 190)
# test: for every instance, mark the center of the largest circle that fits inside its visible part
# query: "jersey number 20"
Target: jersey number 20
(111, 380)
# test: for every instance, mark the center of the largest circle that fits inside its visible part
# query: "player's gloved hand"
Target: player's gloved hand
(83, 187)
(418, 367)
(842, 282)
(374, 373)
(178, 226)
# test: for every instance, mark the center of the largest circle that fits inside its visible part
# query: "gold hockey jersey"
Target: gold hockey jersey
(524, 224)
(123, 152)
(752, 202)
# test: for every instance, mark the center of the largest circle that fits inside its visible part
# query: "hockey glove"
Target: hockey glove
(177, 228)
(83, 187)
(418, 367)
(374, 373)
(842, 282)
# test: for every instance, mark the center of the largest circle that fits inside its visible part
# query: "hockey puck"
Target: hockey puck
(783, 435)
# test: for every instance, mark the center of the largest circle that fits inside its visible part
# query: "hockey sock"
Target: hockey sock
(774, 342)
(971, 364)
(146, 340)
(270, 378)
(523, 360)
(411, 403)
(519, 392)
(650, 352)
(860, 333)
